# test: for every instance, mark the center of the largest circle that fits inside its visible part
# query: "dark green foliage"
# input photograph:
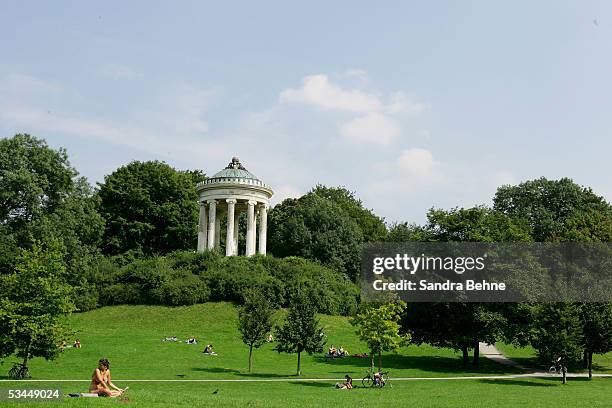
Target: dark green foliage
(183, 278)
(150, 209)
(554, 208)
(300, 331)
(316, 228)
(34, 298)
(373, 228)
(34, 179)
(42, 199)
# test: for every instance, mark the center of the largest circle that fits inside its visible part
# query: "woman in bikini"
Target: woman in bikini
(101, 382)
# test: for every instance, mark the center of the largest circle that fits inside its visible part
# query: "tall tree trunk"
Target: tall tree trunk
(299, 370)
(476, 360)
(379, 360)
(585, 358)
(250, 356)
(590, 365)
(466, 355)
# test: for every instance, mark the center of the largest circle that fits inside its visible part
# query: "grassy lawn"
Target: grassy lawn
(130, 337)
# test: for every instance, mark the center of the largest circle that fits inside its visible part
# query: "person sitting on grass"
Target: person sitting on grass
(77, 343)
(342, 352)
(101, 382)
(191, 340)
(346, 385)
(209, 350)
(332, 351)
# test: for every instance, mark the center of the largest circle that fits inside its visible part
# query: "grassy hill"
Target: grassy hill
(130, 337)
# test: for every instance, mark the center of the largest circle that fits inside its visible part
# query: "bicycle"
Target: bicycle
(372, 381)
(557, 367)
(19, 372)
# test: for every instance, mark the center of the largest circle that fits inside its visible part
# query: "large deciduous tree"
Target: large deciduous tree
(149, 208)
(372, 227)
(42, 198)
(563, 211)
(316, 228)
(461, 326)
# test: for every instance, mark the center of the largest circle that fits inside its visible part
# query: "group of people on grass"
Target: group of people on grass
(334, 352)
(76, 344)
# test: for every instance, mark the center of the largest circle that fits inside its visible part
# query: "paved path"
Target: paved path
(492, 353)
(204, 380)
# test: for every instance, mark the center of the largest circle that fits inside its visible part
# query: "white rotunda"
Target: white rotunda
(229, 192)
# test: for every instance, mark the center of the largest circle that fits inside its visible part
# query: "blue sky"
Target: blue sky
(410, 104)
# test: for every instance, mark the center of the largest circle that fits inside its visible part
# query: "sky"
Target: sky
(411, 105)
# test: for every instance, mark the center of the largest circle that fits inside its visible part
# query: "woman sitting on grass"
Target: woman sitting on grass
(101, 382)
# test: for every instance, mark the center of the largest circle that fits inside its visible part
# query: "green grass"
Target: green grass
(454, 393)
(130, 337)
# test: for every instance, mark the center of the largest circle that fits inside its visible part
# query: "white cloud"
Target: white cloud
(376, 123)
(401, 103)
(171, 125)
(420, 164)
(374, 127)
(318, 91)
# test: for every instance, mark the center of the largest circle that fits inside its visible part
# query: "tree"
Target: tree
(563, 211)
(42, 198)
(372, 227)
(461, 326)
(316, 228)
(34, 299)
(596, 319)
(301, 331)
(379, 328)
(558, 333)
(553, 207)
(34, 179)
(255, 320)
(150, 208)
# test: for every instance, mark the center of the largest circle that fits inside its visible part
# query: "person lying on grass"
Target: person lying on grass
(101, 382)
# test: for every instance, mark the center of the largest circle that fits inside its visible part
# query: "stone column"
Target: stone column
(236, 232)
(255, 230)
(263, 228)
(229, 240)
(218, 232)
(202, 228)
(250, 244)
(212, 219)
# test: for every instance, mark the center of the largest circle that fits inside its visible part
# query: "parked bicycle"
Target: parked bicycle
(557, 367)
(19, 372)
(378, 379)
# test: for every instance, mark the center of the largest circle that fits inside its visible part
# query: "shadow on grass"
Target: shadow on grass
(315, 384)
(265, 375)
(524, 383)
(216, 370)
(433, 364)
